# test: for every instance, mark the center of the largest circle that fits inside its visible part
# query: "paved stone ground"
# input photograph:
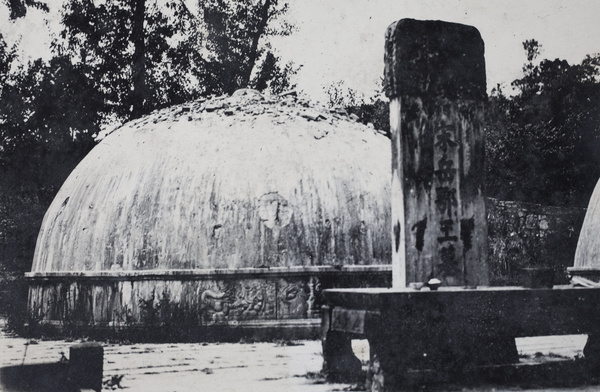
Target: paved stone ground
(283, 366)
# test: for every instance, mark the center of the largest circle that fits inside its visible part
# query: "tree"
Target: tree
(138, 60)
(148, 54)
(271, 76)
(49, 121)
(18, 8)
(543, 142)
(236, 30)
(124, 44)
(7, 56)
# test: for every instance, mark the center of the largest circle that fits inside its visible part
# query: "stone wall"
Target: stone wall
(178, 305)
(530, 235)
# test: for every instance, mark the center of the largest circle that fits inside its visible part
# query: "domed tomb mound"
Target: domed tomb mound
(215, 188)
(587, 254)
(228, 183)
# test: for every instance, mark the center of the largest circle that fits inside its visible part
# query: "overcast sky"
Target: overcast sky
(343, 39)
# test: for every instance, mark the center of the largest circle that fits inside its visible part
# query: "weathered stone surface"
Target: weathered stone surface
(122, 299)
(434, 58)
(454, 330)
(86, 362)
(531, 235)
(247, 183)
(587, 256)
(435, 77)
(185, 188)
(339, 361)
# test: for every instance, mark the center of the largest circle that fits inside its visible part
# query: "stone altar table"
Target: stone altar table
(451, 329)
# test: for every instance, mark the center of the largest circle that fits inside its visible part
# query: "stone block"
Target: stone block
(434, 57)
(86, 365)
(435, 79)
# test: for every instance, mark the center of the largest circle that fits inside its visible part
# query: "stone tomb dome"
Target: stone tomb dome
(587, 254)
(237, 211)
(232, 182)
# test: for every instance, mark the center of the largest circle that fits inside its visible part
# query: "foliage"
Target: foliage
(178, 55)
(543, 142)
(48, 121)
(374, 111)
(235, 31)
(340, 95)
(272, 77)
(18, 8)
(7, 56)
(102, 37)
